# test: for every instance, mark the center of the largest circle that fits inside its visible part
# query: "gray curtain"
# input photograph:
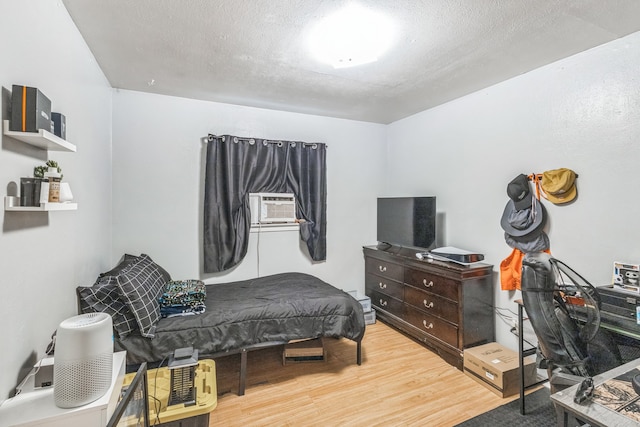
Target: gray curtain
(238, 166)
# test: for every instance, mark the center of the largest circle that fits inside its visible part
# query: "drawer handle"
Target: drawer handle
(382, 269)
(426, 304)
(427, 284)
(429, 326)
(382, 285)
(383, 303)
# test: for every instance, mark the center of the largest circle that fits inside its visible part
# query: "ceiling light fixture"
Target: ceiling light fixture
(352, 36)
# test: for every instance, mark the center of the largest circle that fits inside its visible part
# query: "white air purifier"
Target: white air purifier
(83, 359)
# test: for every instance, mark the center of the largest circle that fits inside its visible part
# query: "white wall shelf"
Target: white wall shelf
(36, 406)
(41, 139)
(12, 203)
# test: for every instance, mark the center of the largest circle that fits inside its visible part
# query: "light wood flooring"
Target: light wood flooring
(400, 383)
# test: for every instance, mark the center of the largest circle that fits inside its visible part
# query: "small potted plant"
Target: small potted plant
(51, 167)
(51, 189)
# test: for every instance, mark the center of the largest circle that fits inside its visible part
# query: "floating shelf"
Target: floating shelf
(12, 203)
(41, 139)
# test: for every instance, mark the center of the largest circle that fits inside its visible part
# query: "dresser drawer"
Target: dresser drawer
(431, 304)
(444, 306)
(382, 284)
(386, 269)
(442, 286)
(432, 325)
(385, 302)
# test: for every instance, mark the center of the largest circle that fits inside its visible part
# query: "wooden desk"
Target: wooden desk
(589, 412)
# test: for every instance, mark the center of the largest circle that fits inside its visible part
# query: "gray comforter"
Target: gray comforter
(276, 308)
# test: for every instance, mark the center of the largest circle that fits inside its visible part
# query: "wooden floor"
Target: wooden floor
(400, 383)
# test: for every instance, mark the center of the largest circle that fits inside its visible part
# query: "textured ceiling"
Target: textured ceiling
(253, 52)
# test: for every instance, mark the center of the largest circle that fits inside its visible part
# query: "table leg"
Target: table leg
(562, 416)
(243, 371)
(521, 358)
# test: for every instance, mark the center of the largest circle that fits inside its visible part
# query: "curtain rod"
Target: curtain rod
(252, 141)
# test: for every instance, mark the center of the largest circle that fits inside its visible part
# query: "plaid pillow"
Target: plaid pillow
(125, 262)
(104, 297)
(140, 285)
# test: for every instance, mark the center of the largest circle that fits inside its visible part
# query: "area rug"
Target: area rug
(539, 412)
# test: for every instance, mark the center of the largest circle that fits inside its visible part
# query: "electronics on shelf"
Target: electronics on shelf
(452, 254)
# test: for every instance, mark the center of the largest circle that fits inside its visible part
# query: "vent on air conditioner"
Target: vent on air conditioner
(272, 208)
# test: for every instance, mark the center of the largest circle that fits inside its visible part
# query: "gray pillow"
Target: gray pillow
(140, 285)
(104, 297)
(124, 262)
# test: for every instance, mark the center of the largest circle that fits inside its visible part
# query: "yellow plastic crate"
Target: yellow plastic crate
(159, 384)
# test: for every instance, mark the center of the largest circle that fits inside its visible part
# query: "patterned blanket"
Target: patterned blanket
(183, 297)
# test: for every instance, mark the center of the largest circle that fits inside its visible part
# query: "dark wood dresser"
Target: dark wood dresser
(446, 306)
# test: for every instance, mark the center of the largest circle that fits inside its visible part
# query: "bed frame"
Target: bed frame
(250, 315)
(243, 358)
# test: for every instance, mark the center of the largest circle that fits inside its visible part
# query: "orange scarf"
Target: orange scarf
(511, 270)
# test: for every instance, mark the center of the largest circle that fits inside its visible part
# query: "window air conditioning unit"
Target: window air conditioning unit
(272, 208)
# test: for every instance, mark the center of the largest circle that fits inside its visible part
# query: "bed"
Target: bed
(239, 317)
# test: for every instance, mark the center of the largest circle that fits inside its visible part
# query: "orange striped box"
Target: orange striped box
(30, 110)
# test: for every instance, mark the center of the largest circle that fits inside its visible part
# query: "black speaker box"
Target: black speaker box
(30, 110)
(59, 125)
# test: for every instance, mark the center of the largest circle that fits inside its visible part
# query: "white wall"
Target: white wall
(158, 174)
(44, 256)
(581, 113)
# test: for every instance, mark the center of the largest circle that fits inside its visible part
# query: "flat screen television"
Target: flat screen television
(407, 222)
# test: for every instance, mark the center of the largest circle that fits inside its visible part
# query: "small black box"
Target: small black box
(618, 301)
(30, 110)
(59, 125)
(28, 192)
